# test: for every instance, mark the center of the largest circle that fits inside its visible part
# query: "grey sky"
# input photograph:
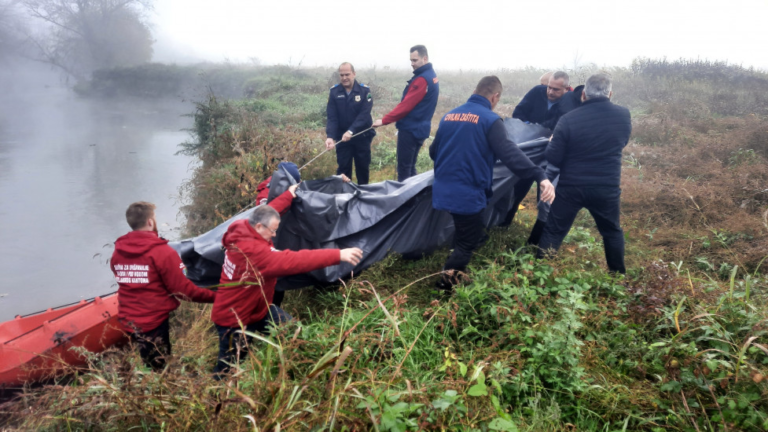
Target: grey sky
(462, 35)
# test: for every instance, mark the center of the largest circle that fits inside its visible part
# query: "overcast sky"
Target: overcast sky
(465, 35)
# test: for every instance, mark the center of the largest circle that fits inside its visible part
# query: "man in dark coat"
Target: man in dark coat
(468, 141)
(540, 104)
(349, 112)
(414, 112)
(587, 145)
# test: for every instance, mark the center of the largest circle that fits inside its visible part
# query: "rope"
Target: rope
(337, 143)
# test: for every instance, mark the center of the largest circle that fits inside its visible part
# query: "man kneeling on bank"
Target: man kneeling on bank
(250, 271)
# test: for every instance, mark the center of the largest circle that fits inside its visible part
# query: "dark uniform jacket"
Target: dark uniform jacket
(534, 108)
(349, 112)
(587, 144)
(468, 141)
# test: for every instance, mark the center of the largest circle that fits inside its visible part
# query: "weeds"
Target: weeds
(678, 344)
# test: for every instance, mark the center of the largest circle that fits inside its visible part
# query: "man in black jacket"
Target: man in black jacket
(587, 145)
(349, 112)
(540, 104)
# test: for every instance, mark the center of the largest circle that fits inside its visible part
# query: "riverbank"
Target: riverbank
(679, 344)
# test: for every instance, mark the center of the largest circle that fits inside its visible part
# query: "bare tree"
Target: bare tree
(12, 30)
(85, 35)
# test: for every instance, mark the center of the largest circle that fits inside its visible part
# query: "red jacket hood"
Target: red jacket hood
(241, 231)
(137, 243)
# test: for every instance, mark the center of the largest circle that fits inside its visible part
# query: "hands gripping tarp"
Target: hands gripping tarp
(379, 218)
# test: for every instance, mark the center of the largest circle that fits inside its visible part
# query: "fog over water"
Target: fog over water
(69, 167)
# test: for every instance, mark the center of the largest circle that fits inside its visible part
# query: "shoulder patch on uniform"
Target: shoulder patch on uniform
(334, 86)
(370, 97)
(363, 85)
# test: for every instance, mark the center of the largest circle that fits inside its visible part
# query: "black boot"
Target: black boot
(536, 232)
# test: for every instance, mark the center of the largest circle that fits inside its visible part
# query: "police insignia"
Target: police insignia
(370, 98)
(357, 98)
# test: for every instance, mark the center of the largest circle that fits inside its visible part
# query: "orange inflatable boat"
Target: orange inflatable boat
(43, 345)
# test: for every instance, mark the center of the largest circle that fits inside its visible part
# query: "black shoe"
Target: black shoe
(536, 232)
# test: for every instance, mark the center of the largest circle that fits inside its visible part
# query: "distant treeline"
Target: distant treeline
(732, 89)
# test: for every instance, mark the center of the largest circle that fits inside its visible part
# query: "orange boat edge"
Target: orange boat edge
(46, 344)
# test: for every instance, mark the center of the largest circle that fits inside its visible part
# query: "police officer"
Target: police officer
(349, 112)
(468, 141)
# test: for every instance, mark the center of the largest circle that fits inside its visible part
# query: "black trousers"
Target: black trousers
(234, 345)
(154, 345)
(407, 153)
(469, 235)
(603, 204)
(357, 149)
(520, 190)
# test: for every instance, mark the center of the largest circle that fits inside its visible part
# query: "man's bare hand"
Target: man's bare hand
(547, 191)
(292, 189)
(351, 255)
(329, 143)
(346, 137)
(378, 123)
(345, 179)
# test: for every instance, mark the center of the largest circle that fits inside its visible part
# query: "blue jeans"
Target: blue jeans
(233, 345)
(603, 204)
(407, 153)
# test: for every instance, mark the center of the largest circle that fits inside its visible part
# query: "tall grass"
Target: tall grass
(679, 344)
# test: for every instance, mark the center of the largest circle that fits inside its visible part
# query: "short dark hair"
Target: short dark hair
(139, 213)
(489, 86)
(562, 75)
(348, 64)
(421, 49)
(263, 215)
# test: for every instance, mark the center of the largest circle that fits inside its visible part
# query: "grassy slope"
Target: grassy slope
(680, 344)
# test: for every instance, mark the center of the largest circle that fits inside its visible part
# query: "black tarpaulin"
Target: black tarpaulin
(379, 218)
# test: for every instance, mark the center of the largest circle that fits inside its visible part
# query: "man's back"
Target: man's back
(463, 157)
(587, 144)
(149, 273)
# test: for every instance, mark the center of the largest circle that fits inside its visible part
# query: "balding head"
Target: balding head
(545, 78)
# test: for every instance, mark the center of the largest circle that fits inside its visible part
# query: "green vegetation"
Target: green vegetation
(679, 344)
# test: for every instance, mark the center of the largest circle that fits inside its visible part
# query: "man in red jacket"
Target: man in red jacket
(250, 271)
(413, 115)
(151, 280)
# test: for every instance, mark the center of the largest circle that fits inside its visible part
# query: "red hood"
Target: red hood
(138, 243)
(241, 231)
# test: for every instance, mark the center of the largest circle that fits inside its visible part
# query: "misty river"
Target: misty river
(69, 167)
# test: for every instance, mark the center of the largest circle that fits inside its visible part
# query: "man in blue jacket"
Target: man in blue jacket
(587, 146)
(468, 141)
(349, 112)
(414, 112)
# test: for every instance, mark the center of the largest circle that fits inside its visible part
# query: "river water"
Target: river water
(69, 168)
